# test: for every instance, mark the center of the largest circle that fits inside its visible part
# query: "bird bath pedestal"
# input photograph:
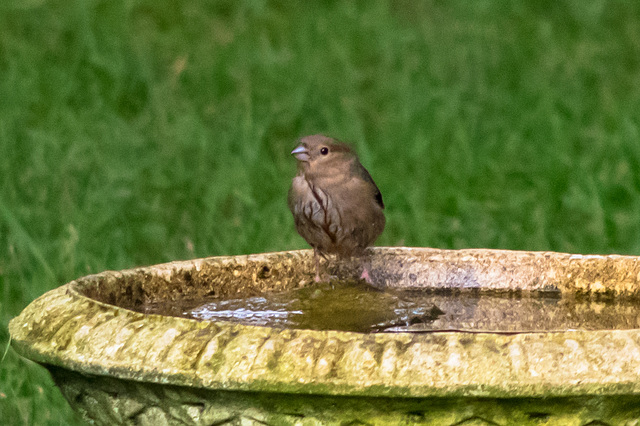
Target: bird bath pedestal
(116, 364)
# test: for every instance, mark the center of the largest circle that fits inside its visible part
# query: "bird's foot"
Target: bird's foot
(365, 276)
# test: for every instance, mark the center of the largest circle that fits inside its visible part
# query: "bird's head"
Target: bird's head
(317, 152)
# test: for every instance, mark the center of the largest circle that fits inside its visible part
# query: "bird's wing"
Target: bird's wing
(359, 170)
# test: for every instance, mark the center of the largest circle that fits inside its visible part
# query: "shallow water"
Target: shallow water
(360, 308)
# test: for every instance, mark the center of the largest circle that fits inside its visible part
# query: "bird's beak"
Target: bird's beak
(301, 153)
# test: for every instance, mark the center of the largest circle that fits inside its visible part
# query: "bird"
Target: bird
(336, 205)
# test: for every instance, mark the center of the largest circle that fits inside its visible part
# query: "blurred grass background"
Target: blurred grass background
(137, 132)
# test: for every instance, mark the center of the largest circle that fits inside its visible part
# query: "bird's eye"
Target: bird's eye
(324, 150)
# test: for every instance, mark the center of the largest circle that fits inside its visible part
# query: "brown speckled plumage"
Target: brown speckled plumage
(336, 205)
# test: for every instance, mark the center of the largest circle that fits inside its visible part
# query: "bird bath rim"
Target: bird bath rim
(71, 327)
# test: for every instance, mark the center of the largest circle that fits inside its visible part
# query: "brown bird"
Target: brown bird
(336, 205)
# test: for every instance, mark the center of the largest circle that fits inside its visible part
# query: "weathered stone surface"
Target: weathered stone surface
(217, 372)
(109, 401)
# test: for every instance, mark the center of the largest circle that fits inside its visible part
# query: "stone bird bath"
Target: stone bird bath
(117, 363)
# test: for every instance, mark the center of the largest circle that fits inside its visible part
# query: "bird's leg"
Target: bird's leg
(366, 272)
(365, 276)
(316, 256)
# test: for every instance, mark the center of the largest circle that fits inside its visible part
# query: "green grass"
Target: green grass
(138, 132)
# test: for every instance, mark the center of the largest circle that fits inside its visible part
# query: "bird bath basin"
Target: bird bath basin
(464, 337)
